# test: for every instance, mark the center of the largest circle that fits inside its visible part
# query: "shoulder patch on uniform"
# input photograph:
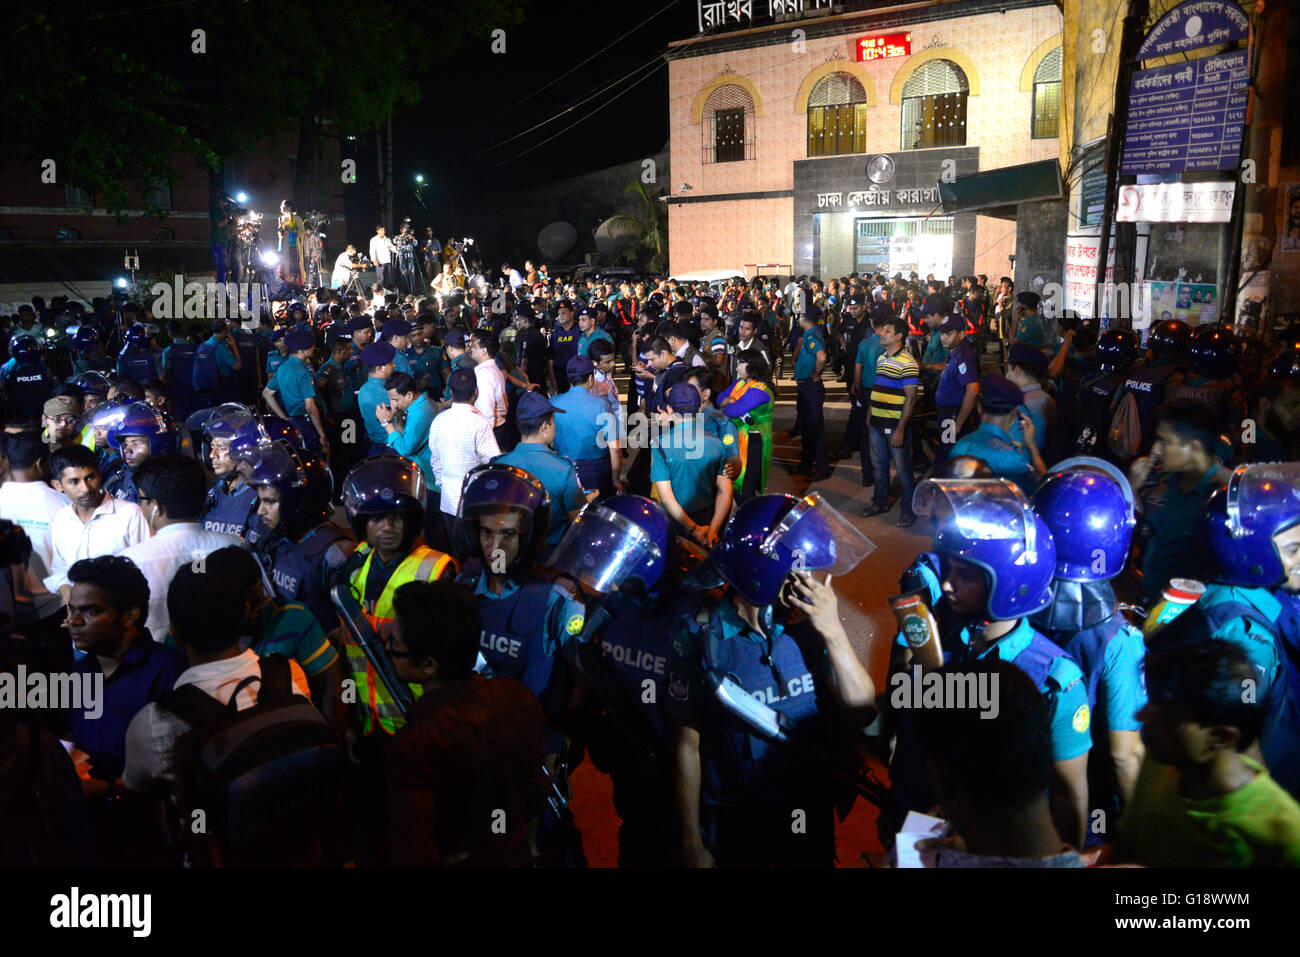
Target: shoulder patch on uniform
(728, 439)
(679, 689)
(1081, 720)
(574, 624)
(961, 367)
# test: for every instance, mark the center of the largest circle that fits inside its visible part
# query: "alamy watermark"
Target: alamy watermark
(947, 690)
(23, 690)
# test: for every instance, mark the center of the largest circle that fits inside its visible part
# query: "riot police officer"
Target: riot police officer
(1252, 527)
(623, 549)
(302, 550)
(90, 355)
(997, 560)
(384, 497)
(231, 502)
(27, 383)
(136, 360)
(1088, 505)
(500, 533)
(743, 798)
(142, 431)
(1117, 350)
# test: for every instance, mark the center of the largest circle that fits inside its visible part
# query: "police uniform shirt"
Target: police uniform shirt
(690, 460)
(586, 339)
(1032, 332)
(1175, 549)
(1258, 644)
(293, 381)
(400, 362)
(962, 369)
(1071, 716)
(332, 385)
(221, 353)
(997, 449)
(412, 441)
(934, 352)
(426, 366)
(869, 350)
(370, 395)
(562, 620)
(582, 432)
(273, 363)
(558, 477)
(810, 344)
(564, 345)
(719, 425)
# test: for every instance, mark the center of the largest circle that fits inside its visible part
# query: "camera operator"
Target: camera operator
(346, 263)
(381, 254)
(223, 234)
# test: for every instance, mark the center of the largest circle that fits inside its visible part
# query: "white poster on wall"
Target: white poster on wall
(1082, 264)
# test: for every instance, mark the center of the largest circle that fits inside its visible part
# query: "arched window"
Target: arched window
(837, 116)
(728, 125)
(163, 234)
(1047, 97)
(934, 106)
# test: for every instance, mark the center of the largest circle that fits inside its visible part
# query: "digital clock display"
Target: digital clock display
(884, 47)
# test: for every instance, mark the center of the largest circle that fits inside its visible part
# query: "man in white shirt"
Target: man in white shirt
(491, 381)
(27, 501)
(381, 254)
(93, 523)
(512, 275)
(172, 490)
(460, 438)
(344, 267)
(207, 615)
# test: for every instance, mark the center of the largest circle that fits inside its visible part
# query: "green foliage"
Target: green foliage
(650, 224)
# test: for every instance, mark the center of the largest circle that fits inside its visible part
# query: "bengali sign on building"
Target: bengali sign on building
(1082, 268)
(1175, 203)
(1195, 24)
(716, 14)
(1187, 117)
(877, 197)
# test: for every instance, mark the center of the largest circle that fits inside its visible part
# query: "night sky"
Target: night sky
(457, 136)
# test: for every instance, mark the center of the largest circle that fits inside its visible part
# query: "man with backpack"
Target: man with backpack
(1146, 387)
(234, 692)
(216, 365)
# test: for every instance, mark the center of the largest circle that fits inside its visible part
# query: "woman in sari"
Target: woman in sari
(291, 245)
(749, 403)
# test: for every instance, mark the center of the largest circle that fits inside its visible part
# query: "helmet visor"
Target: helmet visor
(220, 421)
(601, 548)
(810, 518)
(105, 415)
(1265, 495)
(272, 464)
(980, 510)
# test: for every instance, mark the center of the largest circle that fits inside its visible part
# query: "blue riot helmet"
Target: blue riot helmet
(1088, 505)
(491, 488)
(92, 383)
(303, 481)
(1170, 338)
(772, 535)
(25, 349)
(1213, 353)
(382, 484)
(143, 420)
(1240, 520)
(223, 421)
(136, 337)
(990, 523)
(1117, 350)
(85, 338)
(102, 418)
(1287, 364)
(259, 431)
(621, 542)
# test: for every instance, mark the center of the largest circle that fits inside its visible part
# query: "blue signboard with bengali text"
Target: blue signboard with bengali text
(1187, 117)
(1195, 24)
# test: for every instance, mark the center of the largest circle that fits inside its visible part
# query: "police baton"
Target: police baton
(365, 638)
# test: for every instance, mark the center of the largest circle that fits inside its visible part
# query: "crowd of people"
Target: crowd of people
(366, 581)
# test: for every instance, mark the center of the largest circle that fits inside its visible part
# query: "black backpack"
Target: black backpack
(267, 778)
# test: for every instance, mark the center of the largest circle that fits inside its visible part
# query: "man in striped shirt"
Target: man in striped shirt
(893, 398)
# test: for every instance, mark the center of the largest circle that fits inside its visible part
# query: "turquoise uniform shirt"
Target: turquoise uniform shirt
(1032, 332)
(558, 477)
(273, 363)
(413, 441)
(587, 339)
(995, 448)
(225, 359)
(1259, 645)
(372, 394)
(934, 350)
(869, 350)
(293, 380)
(720, 426)
(581, 433)
(810, 343)
(400, 362)
(691, 460)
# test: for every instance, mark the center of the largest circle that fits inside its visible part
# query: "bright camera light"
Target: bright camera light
(121, 282)
(270, 259)
(241, 197)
